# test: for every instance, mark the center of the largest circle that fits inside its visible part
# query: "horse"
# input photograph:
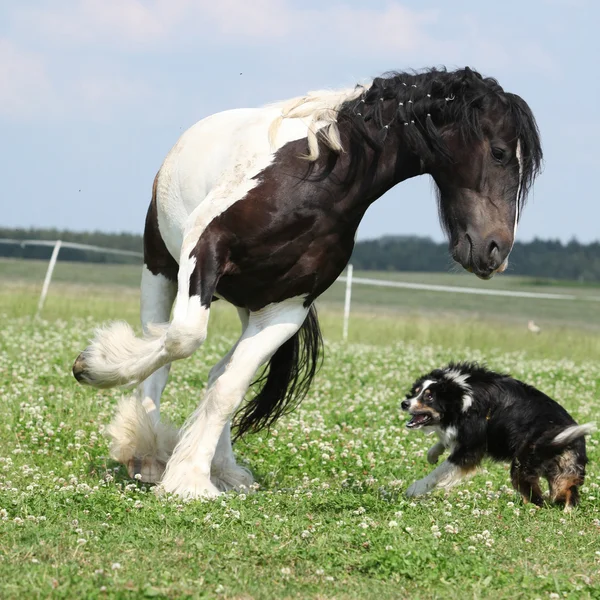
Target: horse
(259, 207)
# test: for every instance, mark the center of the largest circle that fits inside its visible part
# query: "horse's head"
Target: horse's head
(491, 155)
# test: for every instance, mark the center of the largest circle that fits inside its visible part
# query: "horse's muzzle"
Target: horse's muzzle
(483, 258)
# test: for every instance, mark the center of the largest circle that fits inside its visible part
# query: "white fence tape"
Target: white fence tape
(348, 279)
(57, 245)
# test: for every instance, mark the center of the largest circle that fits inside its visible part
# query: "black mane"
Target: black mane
(427, 100)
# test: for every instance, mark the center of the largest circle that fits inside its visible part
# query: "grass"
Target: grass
(329, 519)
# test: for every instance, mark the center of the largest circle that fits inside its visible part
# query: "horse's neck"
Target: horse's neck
(381, 171)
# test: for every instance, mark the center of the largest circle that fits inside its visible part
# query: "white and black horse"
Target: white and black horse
(260, 207)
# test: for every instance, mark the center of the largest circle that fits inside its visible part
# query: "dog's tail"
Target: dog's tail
(566, 436)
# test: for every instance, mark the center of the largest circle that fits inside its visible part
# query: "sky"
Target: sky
(93, 93)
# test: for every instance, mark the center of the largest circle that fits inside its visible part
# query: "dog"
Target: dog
(478, 413)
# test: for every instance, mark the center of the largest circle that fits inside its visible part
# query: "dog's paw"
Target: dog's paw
(418, 488)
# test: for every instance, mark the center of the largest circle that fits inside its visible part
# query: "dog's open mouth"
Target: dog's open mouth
(419, 420)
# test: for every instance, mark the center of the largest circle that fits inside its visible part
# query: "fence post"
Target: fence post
(48, 278)
(347, 301)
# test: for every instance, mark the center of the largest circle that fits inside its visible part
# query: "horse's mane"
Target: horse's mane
(424, 101)
(319, 109)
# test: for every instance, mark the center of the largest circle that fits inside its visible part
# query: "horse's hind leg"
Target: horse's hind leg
(189, 469)
(157, 297)
(139, 439)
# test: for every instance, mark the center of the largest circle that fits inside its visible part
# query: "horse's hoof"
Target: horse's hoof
(188, 483)
(147, 470)
(80, 369)
(232, 477)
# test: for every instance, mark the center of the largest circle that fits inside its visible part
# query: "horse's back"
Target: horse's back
(219, 152)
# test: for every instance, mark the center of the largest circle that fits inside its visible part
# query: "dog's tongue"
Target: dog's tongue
(417, 420)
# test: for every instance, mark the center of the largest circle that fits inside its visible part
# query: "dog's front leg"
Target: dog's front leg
(435, 452)
(445, 476)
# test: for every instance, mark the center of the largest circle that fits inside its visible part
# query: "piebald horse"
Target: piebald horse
(259, 207)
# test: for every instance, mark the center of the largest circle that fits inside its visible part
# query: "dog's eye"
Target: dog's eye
(427, 395)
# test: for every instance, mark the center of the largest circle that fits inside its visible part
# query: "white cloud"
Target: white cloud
(109, 21)
(122, 22)
(24, 82)
(85, 47)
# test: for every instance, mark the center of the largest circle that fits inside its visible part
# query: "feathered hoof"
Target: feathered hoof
(143, 445)
(187, 484)
(147, 470)
(88, 372)
(232, 477)
(80, 370)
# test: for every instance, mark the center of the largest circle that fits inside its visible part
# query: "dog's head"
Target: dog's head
(438, 398)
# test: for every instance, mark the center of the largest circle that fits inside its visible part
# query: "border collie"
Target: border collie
(478, 413)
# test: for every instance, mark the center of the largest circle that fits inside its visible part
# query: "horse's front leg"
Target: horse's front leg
(138, 438)
(188, 472)
(225, 473)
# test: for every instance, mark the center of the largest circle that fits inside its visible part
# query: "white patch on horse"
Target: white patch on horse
(188, 472)
(195, 186)
(156, 300)
(520, 161)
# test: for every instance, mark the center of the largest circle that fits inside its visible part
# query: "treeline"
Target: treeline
(118, 241)
(539, 258)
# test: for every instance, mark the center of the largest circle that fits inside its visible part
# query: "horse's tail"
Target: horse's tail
(286, 380)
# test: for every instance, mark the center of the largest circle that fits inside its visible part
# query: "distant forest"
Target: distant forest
(538, 258)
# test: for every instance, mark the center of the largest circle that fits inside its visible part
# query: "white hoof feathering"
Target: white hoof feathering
(186, 482)
(231, 476)
(116, 356)
(139, 443)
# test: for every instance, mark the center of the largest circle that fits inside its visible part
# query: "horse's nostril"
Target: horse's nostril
(494, 254)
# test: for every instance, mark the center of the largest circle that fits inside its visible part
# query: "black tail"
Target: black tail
(286, 379)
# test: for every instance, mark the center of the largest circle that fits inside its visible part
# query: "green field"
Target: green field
(329, 519)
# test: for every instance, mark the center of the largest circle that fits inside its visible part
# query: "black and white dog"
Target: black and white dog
(477, 413)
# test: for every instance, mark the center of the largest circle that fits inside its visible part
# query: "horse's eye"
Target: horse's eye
(498, 153)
